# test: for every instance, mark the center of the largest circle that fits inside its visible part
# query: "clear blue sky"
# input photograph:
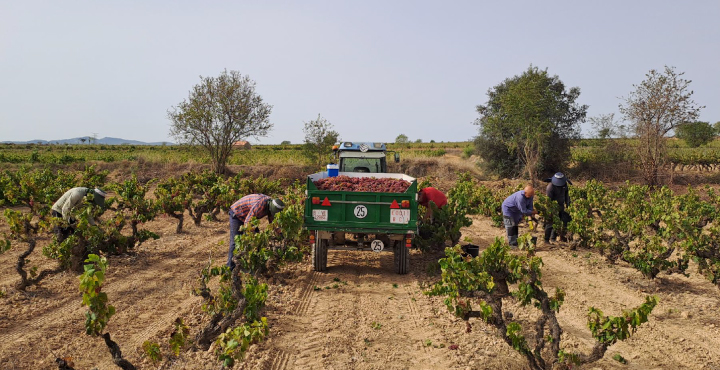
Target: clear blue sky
(375, 69)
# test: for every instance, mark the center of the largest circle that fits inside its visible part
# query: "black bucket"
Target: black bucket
(472, 250)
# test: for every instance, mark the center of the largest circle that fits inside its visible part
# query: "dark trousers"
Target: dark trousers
(551, 234)
(235, 225)
(62, 232)
(511, 227)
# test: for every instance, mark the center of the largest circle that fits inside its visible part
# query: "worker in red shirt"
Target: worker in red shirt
(243, 211)
(430, 194)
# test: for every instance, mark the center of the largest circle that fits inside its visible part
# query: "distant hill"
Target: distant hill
(77, 140)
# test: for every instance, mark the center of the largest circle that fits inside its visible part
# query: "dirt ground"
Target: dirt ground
(358, 315)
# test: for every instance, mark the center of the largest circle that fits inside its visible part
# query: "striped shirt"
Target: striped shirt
(249, 206)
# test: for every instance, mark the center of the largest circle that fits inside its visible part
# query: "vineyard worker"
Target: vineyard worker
(557, 190)
(430, 194)
(514, 207)
(66, 204)
(242, 211)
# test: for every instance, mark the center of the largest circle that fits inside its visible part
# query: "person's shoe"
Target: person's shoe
(547, 241)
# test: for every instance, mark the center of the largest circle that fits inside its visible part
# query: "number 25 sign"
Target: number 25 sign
(360, 211)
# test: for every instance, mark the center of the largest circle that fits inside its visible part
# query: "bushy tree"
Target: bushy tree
(716, 126)
(657, 106)
(319, 139)
(402, 139)
(527, 123)
(695, 134)
(285, 142)
(218, 112)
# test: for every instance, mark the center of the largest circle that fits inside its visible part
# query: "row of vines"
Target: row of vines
(233, 310)
(653, 230)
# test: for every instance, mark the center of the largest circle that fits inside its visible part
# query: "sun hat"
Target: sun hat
(276, 205)
(559, 179)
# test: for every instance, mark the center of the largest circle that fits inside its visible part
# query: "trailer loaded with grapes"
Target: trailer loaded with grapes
(361, 211)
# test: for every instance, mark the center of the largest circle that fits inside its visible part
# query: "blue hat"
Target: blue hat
(560, 180)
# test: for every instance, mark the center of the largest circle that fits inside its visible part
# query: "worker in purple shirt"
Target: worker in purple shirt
(514, 207)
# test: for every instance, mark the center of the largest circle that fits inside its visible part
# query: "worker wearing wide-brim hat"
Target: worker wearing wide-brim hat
(557, 190)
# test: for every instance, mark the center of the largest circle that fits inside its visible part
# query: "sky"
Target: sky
(374, 69)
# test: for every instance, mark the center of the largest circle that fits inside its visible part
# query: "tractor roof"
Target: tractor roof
(362, 146)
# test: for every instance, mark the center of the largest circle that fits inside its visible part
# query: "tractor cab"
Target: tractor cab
(362, 157)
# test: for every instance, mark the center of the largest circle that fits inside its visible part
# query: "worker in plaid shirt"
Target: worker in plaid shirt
(242, 211)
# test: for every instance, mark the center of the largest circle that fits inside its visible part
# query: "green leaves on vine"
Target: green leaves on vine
(91, 281)
(610, 329)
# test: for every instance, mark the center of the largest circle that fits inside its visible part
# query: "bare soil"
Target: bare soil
(358, 315)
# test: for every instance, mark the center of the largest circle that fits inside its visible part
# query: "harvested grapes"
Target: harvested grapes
(364, 184)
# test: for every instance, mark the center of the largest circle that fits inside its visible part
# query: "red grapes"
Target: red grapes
(365, 184)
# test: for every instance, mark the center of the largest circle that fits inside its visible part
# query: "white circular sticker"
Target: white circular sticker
(361, 211)
(377, 245)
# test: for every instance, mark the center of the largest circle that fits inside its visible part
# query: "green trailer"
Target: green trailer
(377, 221)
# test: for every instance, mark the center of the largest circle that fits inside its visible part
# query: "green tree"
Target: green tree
(218, 112)
(695, 134)
(527, 123)
(716, 126)
(402, 139)
(657, 106)
(285, 142)
(319, 139)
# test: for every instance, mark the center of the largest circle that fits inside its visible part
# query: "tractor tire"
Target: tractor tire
(319, 254)
(402, 258)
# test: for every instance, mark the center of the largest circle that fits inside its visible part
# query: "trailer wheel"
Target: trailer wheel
(319, 254)
(402, 258)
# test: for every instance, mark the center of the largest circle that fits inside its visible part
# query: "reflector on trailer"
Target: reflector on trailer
(394, 204)
(315, 200)
(406, 203)
(326, 202)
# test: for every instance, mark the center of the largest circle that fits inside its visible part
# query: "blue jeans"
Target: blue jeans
(234, 231)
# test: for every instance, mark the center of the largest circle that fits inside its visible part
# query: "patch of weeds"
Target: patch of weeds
(368, 342)
(391, 297)
(619, 359)
(335, 286)
(395, 285)
(376, 325)
(428, 343)
(315, 287)
(575, 255)
(327, 287)
(152, 352)
(336, 279)
(413, 299)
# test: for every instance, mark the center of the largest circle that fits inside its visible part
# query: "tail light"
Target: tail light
(312, 238)
(315, 200)
(408, 240)
(405, 204)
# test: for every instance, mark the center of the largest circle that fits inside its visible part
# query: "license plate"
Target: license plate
(320, 214)
(399, 216)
